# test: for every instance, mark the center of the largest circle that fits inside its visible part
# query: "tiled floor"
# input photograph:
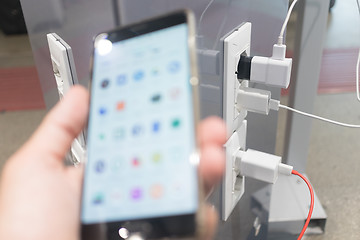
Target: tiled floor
(333, 162)
(17, 126)
(15, 51)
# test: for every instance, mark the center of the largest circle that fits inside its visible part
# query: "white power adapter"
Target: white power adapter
(273, 71)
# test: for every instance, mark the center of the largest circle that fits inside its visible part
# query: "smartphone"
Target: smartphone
(141, 173)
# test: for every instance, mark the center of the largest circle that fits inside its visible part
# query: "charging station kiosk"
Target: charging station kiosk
(77, 22)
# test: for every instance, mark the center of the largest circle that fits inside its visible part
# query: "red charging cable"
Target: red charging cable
(311, 204)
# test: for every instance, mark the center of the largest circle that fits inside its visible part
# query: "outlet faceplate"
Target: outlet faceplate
(233, 184)
(65, 75)
(236, 44)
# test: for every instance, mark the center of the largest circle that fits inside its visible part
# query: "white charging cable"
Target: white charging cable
(203, 14)
(281, 36)
(259, 101)
(319, 118)
(281, 41)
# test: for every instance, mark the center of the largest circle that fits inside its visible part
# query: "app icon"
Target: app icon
(121, 80)
(98, 198)
(100, 166)
(175, 123)
(175, 93)
(156, 98)
(156, 127)
(101, 136)
(120, 106)
(156, 158)
(156, 191)
(119, 133)
(102, 111)
(136, 162)
(174, 67)
(137, 130)
(105, 83)
(139, 75)
(136, 193)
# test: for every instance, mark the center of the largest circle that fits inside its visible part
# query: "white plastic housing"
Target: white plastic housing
(78, 151)
(259, 165)
(65, 76)
(253, 100)
(62, 62)
(233, 184)
(235, 44)
(273, 71)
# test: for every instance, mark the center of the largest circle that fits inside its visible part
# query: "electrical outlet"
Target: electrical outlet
(233, 183)
(63, 63)
(65, 75)
(235, 44)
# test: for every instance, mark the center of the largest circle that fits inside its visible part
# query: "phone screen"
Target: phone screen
(141, 129)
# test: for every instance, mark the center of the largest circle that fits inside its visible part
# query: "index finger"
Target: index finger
(212, 137)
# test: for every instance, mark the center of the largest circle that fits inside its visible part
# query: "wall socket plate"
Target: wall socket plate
(235, 44)
(65, 75)
(62, 62)
(233, 184)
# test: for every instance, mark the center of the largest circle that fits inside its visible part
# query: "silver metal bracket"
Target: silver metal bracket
(65, 75)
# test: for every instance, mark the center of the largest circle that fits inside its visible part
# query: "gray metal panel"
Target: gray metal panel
(289, 207)
(311, 29)
(310, 36)
(78, 21)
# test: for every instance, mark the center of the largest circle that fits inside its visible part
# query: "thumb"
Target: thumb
(61, 125)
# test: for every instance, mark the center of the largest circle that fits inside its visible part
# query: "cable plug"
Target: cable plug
(261, 166)
(255, 100)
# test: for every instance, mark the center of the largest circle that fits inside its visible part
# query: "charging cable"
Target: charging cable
(259, 101)
(311, 202)
(202, 16)
(281, 40)
(276, 70)
(267, 167)
(317, 117)
(282, 32)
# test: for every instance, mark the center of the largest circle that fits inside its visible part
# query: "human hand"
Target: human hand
(40, 196)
